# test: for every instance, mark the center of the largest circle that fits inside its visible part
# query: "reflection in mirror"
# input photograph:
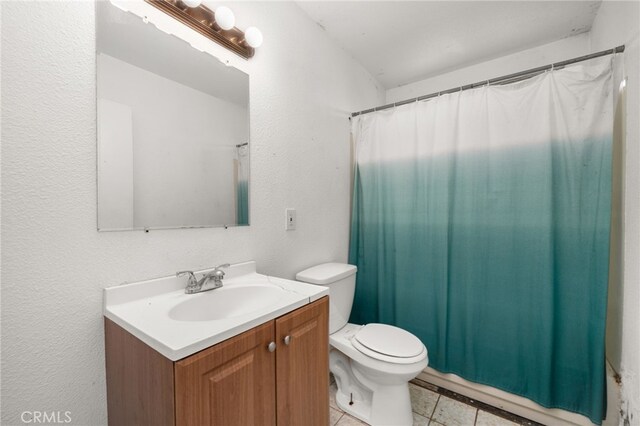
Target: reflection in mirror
(173, 130)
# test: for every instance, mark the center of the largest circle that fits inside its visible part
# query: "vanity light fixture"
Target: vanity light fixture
(253, 37)
(217, 26)
(192, 3)
(225, 18)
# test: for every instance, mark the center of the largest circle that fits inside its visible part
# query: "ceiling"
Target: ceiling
(400, 42)
(125, 36)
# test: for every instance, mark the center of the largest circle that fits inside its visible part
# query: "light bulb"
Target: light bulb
(192, 3)
(253, 37)
(224, 18)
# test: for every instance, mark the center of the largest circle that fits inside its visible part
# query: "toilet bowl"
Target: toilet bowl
(373, 386)
(372, 363)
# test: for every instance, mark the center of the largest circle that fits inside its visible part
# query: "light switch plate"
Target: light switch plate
(291, 219)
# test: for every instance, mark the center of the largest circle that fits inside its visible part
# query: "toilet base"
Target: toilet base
(374, 404)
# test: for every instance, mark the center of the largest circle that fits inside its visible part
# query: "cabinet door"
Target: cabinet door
(231, 383)
(302, 366)
(139, 381)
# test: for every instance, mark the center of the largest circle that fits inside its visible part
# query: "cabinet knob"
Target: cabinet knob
(287, 340)
(272, 346)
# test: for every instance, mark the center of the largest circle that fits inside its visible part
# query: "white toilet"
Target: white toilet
(373, 363)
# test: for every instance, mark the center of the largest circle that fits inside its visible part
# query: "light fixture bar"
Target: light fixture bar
(202, 20)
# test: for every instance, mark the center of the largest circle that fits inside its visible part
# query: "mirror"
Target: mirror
(173, 130)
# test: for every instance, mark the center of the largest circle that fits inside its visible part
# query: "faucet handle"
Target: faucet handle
(217, 273)
(192, 277)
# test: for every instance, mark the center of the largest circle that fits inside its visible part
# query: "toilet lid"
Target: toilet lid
(389, 340)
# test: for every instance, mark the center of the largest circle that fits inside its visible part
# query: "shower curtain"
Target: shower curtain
(242, 186)
(481, 224)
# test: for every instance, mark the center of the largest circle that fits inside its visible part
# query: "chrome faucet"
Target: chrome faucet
(196, 286)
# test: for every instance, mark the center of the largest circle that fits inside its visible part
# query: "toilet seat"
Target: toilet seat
(388, 343)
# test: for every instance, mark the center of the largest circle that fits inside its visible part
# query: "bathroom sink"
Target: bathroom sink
(226, 303)
(177, 325)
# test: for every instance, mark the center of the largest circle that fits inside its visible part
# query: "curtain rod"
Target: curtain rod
(509, 78)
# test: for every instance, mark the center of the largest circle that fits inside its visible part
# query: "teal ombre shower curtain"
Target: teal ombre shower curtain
(242, 186)
(481, 224)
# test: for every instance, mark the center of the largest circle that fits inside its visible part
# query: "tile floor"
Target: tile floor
(430, 408)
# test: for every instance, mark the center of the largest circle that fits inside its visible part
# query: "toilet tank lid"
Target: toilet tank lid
(326, 273)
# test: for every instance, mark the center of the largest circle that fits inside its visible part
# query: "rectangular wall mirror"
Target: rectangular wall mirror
(173, 130)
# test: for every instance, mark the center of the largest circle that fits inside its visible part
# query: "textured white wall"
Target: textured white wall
(55, 263)
(619, 23)
(531, 58)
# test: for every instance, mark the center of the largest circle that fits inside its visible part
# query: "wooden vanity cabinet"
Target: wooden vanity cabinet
(302, 366)
(236, 382)
(231, 383)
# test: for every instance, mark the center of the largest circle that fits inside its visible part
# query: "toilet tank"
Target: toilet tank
(341, 280)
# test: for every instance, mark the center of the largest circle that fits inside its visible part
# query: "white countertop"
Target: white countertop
(143, 309)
